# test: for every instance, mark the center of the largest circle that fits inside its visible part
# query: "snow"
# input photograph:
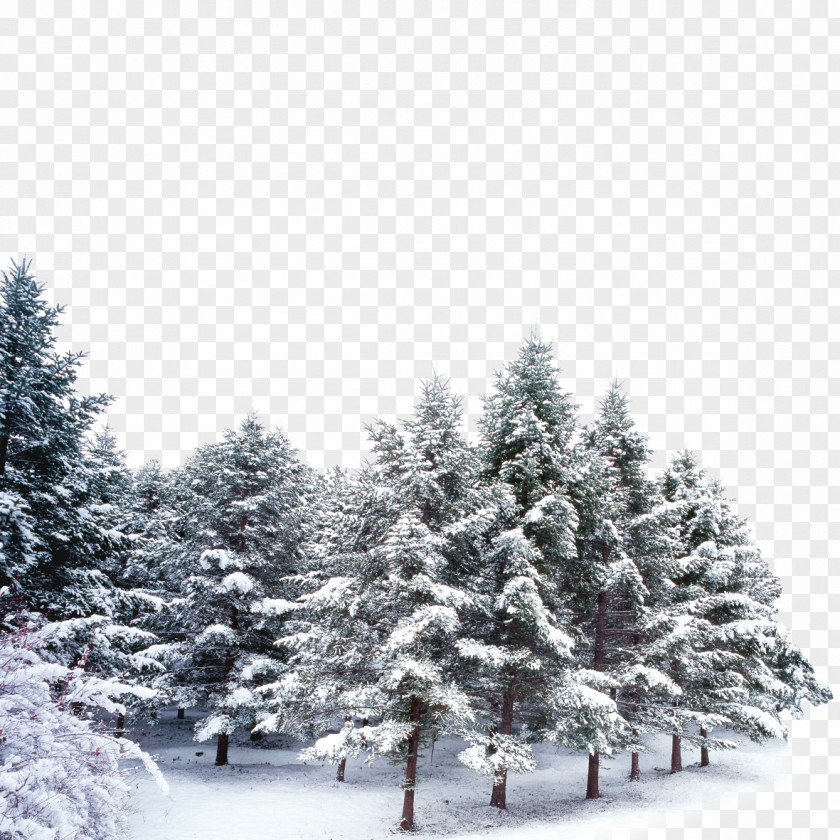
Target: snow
(275, 606)
(60, 774)
(239, 581)
(435, 617)
(217, 630)
(266, 793)
(492, 755)
(492, 655)
(217, 555)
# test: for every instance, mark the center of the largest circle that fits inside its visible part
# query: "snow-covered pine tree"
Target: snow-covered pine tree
(599, 581)
(349, 742)
(516, 547)
(329, 632)
(381, 629)
(61, 491)
(110, 501)
(156, 519)
(60, 772)
(630, 568)
(734, 662)
(245, 524)
(605, 587)
(52, 546)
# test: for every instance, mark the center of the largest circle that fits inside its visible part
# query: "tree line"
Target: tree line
(540, 585)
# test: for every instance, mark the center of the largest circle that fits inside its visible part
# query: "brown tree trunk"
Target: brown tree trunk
(222, 744)
(120, 725)
(407, 821)
(600, 632)
(4, 452)
(592, 791)
(635, 772)
(180, 715)
(499, 796)
(676, 740)
(676, 754)
(339, 774)
(222, 749)
(704, 750)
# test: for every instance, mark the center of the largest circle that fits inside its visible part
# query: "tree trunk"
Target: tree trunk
(676, 740)
(4, 452)
(600, 632)
(180, 715)
(592, 791)
(635, 772)
(407, 821)
(222, 749)
(676, 754)
(120, 725)
(339, 774)
(499, 796)
(222, 744)
(704, 750)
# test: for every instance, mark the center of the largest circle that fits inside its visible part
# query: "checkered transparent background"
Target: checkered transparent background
(305, 211)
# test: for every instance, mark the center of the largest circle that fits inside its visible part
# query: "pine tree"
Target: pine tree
(52, 547)
(329, 632)
(604, 583)
(516, 632)
(349, 742)
(61, 492)
(60, 769)
(380, 631)
(632, 539)
(734, 662)
(156, 512)
(244, 527)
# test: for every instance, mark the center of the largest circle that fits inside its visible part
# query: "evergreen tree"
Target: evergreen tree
(62, 490)
(156, 512)
(62, 773)
(516, 632)
(734, 662)
(152, 575)
(626, 546)
(330, 634)
(244, 527)
(603, 589)
(53, 545)
(380, 631)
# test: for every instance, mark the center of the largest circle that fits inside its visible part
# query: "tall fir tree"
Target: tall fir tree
(62, 489)
(734, 662)
(53, 546)
(380, 631)
(516, 632)
(244, 529)
(156, 512)
(628, 544)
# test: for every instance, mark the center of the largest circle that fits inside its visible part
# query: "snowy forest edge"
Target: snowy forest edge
(538, 586)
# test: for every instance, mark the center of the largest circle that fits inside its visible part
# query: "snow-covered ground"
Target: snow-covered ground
(266, 794)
